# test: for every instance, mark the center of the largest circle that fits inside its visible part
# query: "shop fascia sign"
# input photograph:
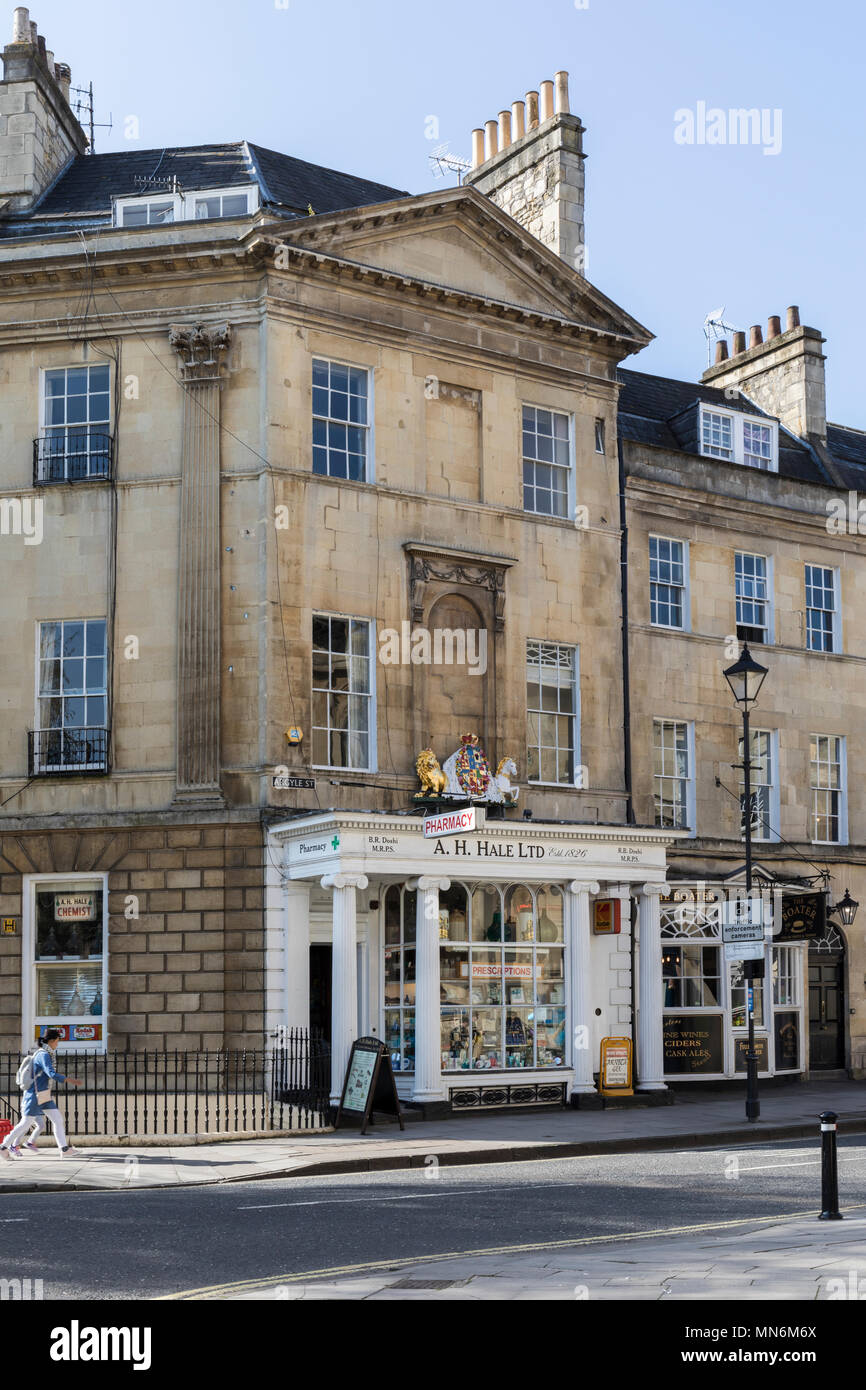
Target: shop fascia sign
(446, 836)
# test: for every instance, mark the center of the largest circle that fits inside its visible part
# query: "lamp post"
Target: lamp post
(745, 678)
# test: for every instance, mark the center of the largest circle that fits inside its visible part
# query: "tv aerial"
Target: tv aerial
(442, 163)
(715, 328)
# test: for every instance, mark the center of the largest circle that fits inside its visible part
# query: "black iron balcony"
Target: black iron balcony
(71, 752)
(72, 455)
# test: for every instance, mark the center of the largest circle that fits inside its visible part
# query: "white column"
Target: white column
(296, 920)
(428, 1068)
(344, 975)
(650, 1019)
(620, 960)
(576, 904)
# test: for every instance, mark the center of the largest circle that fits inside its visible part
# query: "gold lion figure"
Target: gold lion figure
(430, 774)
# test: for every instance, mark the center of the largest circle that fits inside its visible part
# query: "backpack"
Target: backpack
(24, 1074)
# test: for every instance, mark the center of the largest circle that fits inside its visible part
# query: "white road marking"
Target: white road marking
(407, 1197)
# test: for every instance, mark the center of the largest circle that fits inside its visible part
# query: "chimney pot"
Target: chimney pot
(34, 33)
(722, 350)
(518, 120)
(21, 25)
(477, 148)
(49, 58)
(756, 337)
(774, 326)
(560, 101)
(793, 317)
(491, 143)
(504, 129)
(531, 110)
(739, 342)
(546, 103)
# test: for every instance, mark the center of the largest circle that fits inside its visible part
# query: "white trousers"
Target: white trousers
(50, 1112)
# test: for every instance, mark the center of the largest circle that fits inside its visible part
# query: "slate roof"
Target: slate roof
(848, 447)
(649, 404)
(82, 194)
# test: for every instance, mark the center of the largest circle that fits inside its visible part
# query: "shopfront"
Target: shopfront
(478, 958)
(706, 994)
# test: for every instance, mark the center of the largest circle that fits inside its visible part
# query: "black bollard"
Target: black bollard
(829, 1173)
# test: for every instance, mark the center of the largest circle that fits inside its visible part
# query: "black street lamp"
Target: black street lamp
(847, 909)
(745, 678)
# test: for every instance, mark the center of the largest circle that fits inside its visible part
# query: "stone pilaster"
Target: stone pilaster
(201, 349)
(577, 906)
(650, 1019)
(344, 978)
(428, 1068)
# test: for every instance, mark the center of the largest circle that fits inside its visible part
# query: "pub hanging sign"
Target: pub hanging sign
(804, 917)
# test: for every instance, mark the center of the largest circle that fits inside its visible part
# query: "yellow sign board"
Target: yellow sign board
(615, 1078)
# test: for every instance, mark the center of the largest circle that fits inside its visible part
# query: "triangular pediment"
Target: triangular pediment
(460, 241)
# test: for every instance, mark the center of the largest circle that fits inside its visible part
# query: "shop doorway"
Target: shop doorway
(320, 989)
(826, 1004)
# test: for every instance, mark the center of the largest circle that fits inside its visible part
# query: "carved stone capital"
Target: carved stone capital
(201, 349)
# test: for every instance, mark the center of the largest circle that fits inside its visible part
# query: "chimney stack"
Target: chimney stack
(784, 375)
(39, 134)
(722, 350)
(533, 168)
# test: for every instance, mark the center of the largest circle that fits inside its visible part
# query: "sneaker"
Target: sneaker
(70, 1152)
(15, 1150)
(4, 1153)
(31, 1147)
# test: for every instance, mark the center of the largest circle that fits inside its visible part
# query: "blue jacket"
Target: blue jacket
(43, 1072)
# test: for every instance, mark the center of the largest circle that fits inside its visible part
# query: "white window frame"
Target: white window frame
(183, 204)
(577, 780)
(48, 767)
(45, 428)
(690, 781)
(738, 419)
(836, 646)
(600, 435)
(686, 625)
(842, 790)
(370, 470)
(571, 488)
(373, 756)
(766, 834)
(769, 574)
(30, 883)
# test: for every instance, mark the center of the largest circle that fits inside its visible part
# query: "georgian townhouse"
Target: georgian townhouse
(318, 494)
(743, 527)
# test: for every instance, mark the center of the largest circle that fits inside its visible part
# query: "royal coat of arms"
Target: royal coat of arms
(467, 775)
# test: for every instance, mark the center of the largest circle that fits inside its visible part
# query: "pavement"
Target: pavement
(792, 1260)
(696, 1120)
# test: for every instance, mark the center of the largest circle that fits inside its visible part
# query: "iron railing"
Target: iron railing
(72, 455)
(176, 1093)
(72, 751)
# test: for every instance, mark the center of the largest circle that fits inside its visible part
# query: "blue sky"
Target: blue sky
(673, 230)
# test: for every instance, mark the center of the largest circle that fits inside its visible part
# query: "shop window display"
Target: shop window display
(502, 978)
(69, 951)
(399, 985)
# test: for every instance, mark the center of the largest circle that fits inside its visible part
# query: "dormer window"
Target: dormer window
(188, 206)
(738, 438)
(146, 214)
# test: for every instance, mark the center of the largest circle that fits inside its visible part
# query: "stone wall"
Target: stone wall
(187, 972)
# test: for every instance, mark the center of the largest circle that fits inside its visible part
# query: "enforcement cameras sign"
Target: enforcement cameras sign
(743, 920)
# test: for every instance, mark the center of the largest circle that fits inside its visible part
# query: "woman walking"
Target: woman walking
(39, 1105)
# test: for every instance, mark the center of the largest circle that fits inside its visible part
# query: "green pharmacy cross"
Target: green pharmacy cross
(335, 843)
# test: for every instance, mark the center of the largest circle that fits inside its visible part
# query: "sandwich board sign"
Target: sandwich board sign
(369, 1085)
